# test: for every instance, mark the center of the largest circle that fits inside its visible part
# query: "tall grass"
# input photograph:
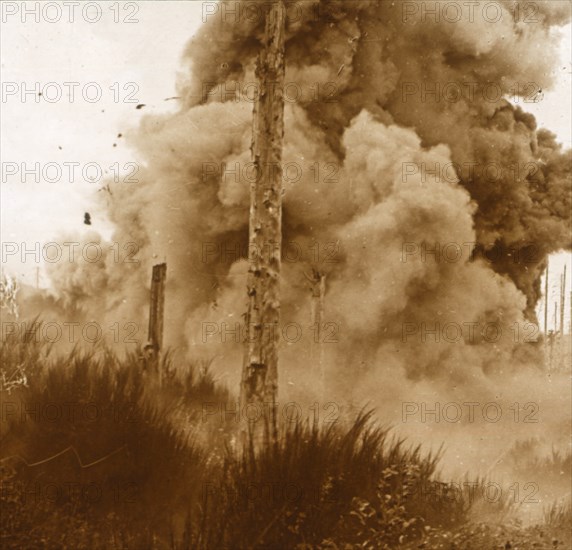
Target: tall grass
(89, 420)
(314, 485)
(168, 478)
(559, 514)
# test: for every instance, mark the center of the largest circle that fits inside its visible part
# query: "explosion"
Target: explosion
(404, 138)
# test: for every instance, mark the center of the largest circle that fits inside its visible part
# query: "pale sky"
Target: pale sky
(146, 53)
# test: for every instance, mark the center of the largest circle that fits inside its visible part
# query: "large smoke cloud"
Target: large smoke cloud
(361, 204)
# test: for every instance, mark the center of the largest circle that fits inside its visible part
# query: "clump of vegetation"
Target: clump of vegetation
(316, 485)
(559, 514)
(99, 452)
(101, 437)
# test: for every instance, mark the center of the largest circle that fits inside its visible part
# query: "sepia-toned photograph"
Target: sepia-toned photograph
(286, 275)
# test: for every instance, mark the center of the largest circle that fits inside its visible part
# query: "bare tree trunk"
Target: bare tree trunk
(318, 287)
(562, 301)
(260, 369)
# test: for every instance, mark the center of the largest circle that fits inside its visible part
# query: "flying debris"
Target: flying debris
(140, 106)
(538, 96)
(170, 98)
(105, 188)
(87, 218)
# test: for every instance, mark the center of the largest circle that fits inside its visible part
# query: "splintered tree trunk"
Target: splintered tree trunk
(156, 313)
(318, 281)
(546, 298)
(562, 301)
(260, 369)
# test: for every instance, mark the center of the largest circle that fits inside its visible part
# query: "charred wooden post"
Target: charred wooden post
(156, 314)
(259, 383)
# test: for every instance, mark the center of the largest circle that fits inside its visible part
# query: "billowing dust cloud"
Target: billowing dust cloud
(366, 198)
